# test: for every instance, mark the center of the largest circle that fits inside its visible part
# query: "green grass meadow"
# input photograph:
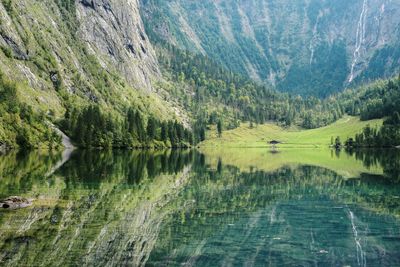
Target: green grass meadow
(261, 135)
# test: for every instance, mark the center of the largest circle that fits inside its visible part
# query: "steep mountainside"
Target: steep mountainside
(114, 73)
(84, 51)
(306, 46)
(62, 55)
(114, 30)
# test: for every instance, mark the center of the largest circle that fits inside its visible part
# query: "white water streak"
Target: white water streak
(360, 38)
(272, 217)
(361, 255)
(315, 38)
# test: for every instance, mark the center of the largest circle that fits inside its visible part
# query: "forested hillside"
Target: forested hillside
(212, 93)
(94, 70)
(19, 124)
(381, 100)
(215, 94)
(58, 56)
(308, 47)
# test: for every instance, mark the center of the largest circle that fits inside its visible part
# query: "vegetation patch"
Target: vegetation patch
(20, 125)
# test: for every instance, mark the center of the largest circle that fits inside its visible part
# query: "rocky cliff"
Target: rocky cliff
(114, 32)
(306, 46)
(87, 50)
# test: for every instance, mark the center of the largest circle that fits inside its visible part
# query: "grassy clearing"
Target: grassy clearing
(260, 135)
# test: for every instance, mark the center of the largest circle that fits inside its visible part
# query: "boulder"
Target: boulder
(15, 202)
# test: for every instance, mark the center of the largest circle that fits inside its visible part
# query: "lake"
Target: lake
(222, 207)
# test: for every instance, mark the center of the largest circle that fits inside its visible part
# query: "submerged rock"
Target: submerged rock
(3, 148)
(15, 202)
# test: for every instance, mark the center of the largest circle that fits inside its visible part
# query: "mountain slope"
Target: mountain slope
(114, 32)
(308, 46)
(117, 73)
(66, 53)
(86, 51)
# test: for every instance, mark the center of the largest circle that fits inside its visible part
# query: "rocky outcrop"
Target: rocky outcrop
(3, 147)
(114, 32)
(15, 202)
(97, 50)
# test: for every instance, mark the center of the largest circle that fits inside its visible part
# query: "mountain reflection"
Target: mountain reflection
(171, 208)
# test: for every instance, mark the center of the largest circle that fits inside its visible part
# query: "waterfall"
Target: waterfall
(314, 38)
(360, 38)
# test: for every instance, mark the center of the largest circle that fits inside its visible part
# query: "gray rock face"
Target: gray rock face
(9, 37)
(114, 31)
(110, 30)
(3, 147)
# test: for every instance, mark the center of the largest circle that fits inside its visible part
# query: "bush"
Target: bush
(7, 51)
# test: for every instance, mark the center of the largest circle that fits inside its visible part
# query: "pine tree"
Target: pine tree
(338, 143)
(164, 132)
(219, 128)
(130, 120)
(172, 133)
(151, 129)
(139, 127)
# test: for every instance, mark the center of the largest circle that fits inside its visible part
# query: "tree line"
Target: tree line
(379, 101)
(90, 127)
(373, 101)
(386, 136)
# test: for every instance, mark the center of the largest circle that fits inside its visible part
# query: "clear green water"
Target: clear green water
(183, 208)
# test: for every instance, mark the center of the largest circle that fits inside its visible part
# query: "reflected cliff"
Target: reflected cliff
(137, 208)
(98, 208)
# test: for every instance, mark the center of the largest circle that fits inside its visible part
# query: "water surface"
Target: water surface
(215, 208)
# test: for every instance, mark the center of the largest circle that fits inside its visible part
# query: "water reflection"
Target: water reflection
(129, 167)
(294, 216)
(21, 171)
(389, 159)
(181, 207)
(98, 208)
